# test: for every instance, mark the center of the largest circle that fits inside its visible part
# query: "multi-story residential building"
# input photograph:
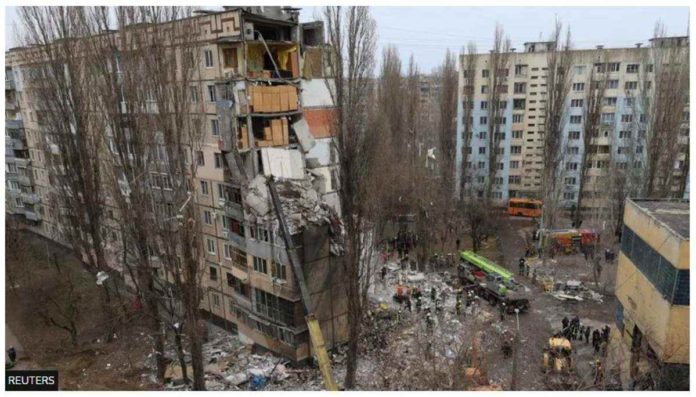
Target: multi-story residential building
(651, 334)
(267, 112)
(628, 73)
(21, 173)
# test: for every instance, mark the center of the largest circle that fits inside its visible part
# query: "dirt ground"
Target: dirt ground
(93, 364)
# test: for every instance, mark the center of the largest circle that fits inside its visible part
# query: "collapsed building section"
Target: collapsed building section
(270, 69)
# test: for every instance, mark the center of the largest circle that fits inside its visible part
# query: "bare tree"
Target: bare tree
(665, 112)
(593, 102)
(497, 90)
(60, 83)
(447, 122)
(469, 73)
(558, 80)
(351, 34)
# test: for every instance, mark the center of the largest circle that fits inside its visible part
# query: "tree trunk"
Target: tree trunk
(180, 355)
(196, 349)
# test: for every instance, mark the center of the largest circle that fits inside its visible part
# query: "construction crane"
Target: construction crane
(315, 334)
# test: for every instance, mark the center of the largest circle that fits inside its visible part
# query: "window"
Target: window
(571, 166)
(485, 73)
(519, 88)
(229, 57)
(580, 70)
(483, 120)
(204, 188)
(482, 150)
(514, 179)
(212, 95)
(573, 135)
(200, 159)
(484, 105)
(639, 149)
(208, 58)
(501, 166)
(649, 68)
(515, 164)
(576, 103)
(624, 134)
(569, 195)
(572, 150)
(227, 251)
(622, 150)
(260, 233)
(516, 134)
(482, 135)
(626, 118)
(575, 119)
(218, 160)
(278, 270)
(628, 102)
(570, 181)
(518, 104)
(274, 307)
(484, 89)
(210, 245)
(600, 67)
(213, 273)
(516, 118)
(632, 68)
(520, 70)
(631, 85)
(614, 66)
(481, 164)
(260, 265)
(612, 84)
(216, 300)
(215, 127)
(207, 217)
(610, 101)
(480, 179)
(607, 117)
(578, 87)
(515, 149)
(499, 136)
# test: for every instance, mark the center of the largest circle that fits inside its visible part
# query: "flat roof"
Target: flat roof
(674, 214)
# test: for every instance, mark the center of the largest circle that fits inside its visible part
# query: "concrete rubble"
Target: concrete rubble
(301, 204)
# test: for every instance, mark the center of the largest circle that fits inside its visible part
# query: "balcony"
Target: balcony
(18, 144)
(31, 198)
(31, 215)
(233, 210)
(24, 180)
(14, 124)
(22, 162)
(9, 84)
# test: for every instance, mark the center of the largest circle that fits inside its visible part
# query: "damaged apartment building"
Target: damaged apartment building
(263, 86)
(271, 121)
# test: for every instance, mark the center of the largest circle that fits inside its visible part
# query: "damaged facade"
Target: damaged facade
(273, 111)
(266, 111)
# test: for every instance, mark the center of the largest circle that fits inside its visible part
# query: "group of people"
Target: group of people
(574, 330)
(404, 242)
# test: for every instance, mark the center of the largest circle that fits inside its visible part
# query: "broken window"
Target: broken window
(229, 57)
(274, 307)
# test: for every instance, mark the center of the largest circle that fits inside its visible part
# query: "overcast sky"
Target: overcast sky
(427, 32)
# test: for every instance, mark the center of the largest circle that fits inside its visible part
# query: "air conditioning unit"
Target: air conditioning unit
(248, 31)
(225, 234)
(221, 202)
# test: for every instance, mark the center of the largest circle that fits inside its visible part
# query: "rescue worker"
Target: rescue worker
(596, 340)
(419, 304)
(408, 304)
(587, 334)
(565, 323)
(384, 272)
(526, 269)
(433, 294)
(502, 311)
(605, 333)
(429, 321)
(520, 266)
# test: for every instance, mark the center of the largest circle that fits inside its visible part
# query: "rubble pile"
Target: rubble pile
(574, 290)
(301, 204)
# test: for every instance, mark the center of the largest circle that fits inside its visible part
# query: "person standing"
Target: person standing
(408, 304)
(587, 334)
(565, 323)
(12, 354)
(595, 340)
(520, 266)
(384, 272)
(419, 304)
(502, 311)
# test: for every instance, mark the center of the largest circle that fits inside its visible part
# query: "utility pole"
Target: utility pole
(515, 348)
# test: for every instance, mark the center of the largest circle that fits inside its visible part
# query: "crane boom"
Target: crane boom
(315, 334)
